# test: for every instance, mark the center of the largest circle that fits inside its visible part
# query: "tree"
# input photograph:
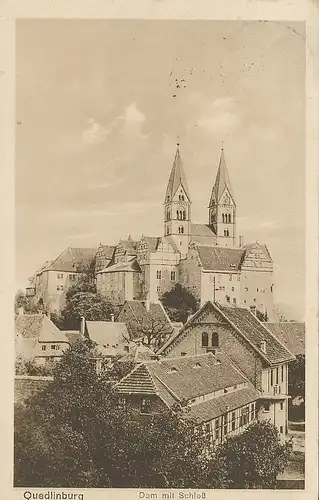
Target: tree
(153, 328)
(296, 388)
(255, 458)
(74, 434)
(179, 303)
(83, 300)
(21, 300)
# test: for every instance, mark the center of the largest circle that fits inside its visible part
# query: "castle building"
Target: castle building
(206, 258)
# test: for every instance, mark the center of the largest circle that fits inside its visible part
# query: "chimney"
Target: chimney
(241, 241)
(20, 311)
(82, 327)
(112, 317)
(263, 347)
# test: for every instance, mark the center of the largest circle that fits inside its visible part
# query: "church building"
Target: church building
(208, 259)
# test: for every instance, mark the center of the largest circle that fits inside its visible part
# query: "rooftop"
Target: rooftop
(220, 259)
(291, 334)
(38, 327)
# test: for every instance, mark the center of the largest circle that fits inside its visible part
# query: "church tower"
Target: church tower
(222, 207)
(177, 207)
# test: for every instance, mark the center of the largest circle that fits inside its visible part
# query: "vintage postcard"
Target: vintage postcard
(164, 305)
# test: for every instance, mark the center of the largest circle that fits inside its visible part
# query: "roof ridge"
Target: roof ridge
(276, 338)
(166, 387)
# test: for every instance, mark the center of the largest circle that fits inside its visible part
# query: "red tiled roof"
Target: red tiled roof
(256, 332)
(291, 334)
(220, 259)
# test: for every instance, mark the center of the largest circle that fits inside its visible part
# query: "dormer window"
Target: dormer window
(215, 339)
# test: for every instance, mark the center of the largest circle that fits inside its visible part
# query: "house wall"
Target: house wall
(277, 414)
(190, 275)
(51, 287)
(238, 350)
(133, 402)
(257, 291)
(227, 288)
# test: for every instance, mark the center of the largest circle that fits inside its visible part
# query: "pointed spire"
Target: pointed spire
(177, 176)
(222, 181)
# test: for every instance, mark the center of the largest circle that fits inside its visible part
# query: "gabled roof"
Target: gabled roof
(38, 327)
(189, 377)
(73, 336)
(131, 266)
(291, 334)
(202, 234)
(152, 242)
(220, 258)
(129, 245)
(256, 332)
(107, 333)
(222, 182)
(247, 325)
(177, 178)
(138, 318)
(72, 260)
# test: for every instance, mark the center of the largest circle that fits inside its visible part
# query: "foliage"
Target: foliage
(296, 379)
(179, 303)
(74, 433)
(153, 328)
(30, 367)
(28, 304)
(82, 300)
(255, 458)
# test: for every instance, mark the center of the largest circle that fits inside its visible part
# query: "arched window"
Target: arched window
(179, 197)
(184, 215)
(226, 232)
(215, 340)
(177, 214)
(229, 218)
(182, 197)
(204, 339)
(223, 217)
(168, 197)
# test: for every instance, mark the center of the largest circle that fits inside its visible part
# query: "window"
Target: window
(226, 232)
(282, 373)
(122, 402)
(53, 347)
(158, 289)
(230, 277)
(238, 277)
(217, 428)
(183, 353)
(266, 406)
(233, 421)
(234, 301)
(281, 429)
(225, 424)
(60, 276)
(246, 289)
(228, 299)
(173, 275)
(277, 375)
(204, 339)
(184, 215)
(159, 275)
(44, 348)
(207, 428)
(281, 406)
(145, 406)
(245, 301)
(215, 339)
(252, 411)
(271, 378)
(232, 288)
(181, 229)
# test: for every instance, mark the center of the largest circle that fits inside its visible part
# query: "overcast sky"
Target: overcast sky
(97, 123)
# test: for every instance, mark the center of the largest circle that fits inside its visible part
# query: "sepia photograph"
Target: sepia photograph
(159, 315)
